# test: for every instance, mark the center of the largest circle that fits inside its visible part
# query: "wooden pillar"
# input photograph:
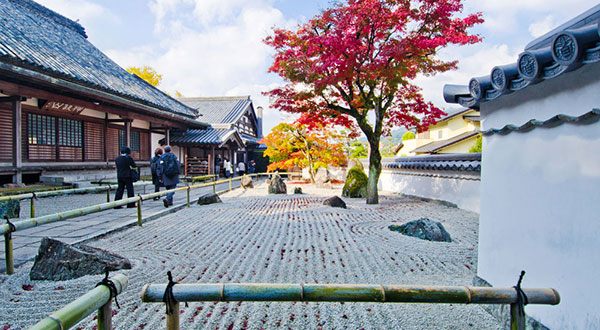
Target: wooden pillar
(105, 128)
(211, 165)
(17, 139)
(128, 132)
(167, 136)
(185, 161)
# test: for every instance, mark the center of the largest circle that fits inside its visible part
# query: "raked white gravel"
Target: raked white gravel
(256, 237)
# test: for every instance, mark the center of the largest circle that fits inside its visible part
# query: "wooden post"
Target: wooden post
(105, 316)
(230, 180)
(128, 133)
(32, 208)
(517, 321)
(108, 194)
(8, 253)
(188, 197)
(18, 139)
(167, 136)
(185, 161)
(173, 318)
(215, 185)
(139, 212)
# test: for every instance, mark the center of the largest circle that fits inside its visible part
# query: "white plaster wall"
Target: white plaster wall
(540, 212)
(462, 192)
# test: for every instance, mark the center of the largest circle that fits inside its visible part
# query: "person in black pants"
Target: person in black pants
(124, 164)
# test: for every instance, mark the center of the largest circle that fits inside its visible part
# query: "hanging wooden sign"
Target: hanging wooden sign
(65, 107)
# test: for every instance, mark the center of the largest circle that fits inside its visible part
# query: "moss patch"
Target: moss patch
(356, 184)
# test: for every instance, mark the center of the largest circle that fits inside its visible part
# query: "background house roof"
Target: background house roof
(566, 48)
(37, 38)
(218, 110)
(438, 145)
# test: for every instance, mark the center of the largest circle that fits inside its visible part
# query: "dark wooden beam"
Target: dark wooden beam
(17, 137)
(11, 98)
(11, 88)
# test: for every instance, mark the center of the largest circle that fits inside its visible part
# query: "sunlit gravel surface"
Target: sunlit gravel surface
(256, 237)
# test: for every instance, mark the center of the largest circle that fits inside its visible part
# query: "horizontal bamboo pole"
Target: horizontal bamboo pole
(28, 223)
(77, 310)
(347, 292)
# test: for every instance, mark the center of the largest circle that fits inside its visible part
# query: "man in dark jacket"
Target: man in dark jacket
(154, 170)
(124, 164)
(168, 162)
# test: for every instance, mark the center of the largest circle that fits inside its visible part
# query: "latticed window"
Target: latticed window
(69, 132)
(41, 129)
(135, 140)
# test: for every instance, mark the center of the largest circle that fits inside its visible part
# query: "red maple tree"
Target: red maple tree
(352, 65)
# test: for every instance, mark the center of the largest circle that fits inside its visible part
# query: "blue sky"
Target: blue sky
(214, 48)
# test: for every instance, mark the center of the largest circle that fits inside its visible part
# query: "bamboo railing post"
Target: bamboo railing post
(214, 186)
(230, 180)
(105, 316)
(173, 317)
(108, 194)
(517, 321)
(8, 253)
(32, 207)
(139, 212)
(188, 197)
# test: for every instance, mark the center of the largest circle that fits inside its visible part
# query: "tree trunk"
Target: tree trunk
(374, 173)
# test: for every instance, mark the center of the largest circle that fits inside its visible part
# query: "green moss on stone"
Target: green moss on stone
(356, 184)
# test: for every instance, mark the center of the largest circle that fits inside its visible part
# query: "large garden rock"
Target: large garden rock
(424, 229)
(335, 202)
(353, 162)
(356, 184)
(247, 181)
(209, 198)
(323, 178)
(276, 185)
(10, 209)
(58, 261)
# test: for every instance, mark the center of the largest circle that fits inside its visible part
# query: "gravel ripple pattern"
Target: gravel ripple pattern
(256, 237)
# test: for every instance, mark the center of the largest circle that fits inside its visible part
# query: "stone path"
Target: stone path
(26, 242)
(255, 237)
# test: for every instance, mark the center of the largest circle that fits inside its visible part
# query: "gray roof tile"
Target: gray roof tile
(218, 110)
(37, 38)
(451, 162)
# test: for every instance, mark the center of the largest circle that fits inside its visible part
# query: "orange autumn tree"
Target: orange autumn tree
(311, 147)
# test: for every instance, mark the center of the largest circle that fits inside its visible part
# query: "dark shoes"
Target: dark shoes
(156, 198)
(165, 203)
(118, 207)
(131, 206)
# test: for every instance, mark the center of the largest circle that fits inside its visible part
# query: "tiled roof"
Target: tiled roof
(37, 38)
(204, 136)
(452, 162)
(218, 110)
(587, 118)
(569, 47)
(438, 145)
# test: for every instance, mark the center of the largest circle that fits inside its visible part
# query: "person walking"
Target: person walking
(168, 171)
(227, 167)
(241, 168)
(252, 166)
(154, 170)
(124, 164)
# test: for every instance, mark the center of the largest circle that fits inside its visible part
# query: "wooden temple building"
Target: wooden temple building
(66, 108)
(234, 134)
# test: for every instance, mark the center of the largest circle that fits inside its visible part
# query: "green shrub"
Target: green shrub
(408, 136)
(478, 144)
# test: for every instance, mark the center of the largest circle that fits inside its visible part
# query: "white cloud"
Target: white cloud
(539, 28)
(83, 11)
(475, 61)
(222, 59)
